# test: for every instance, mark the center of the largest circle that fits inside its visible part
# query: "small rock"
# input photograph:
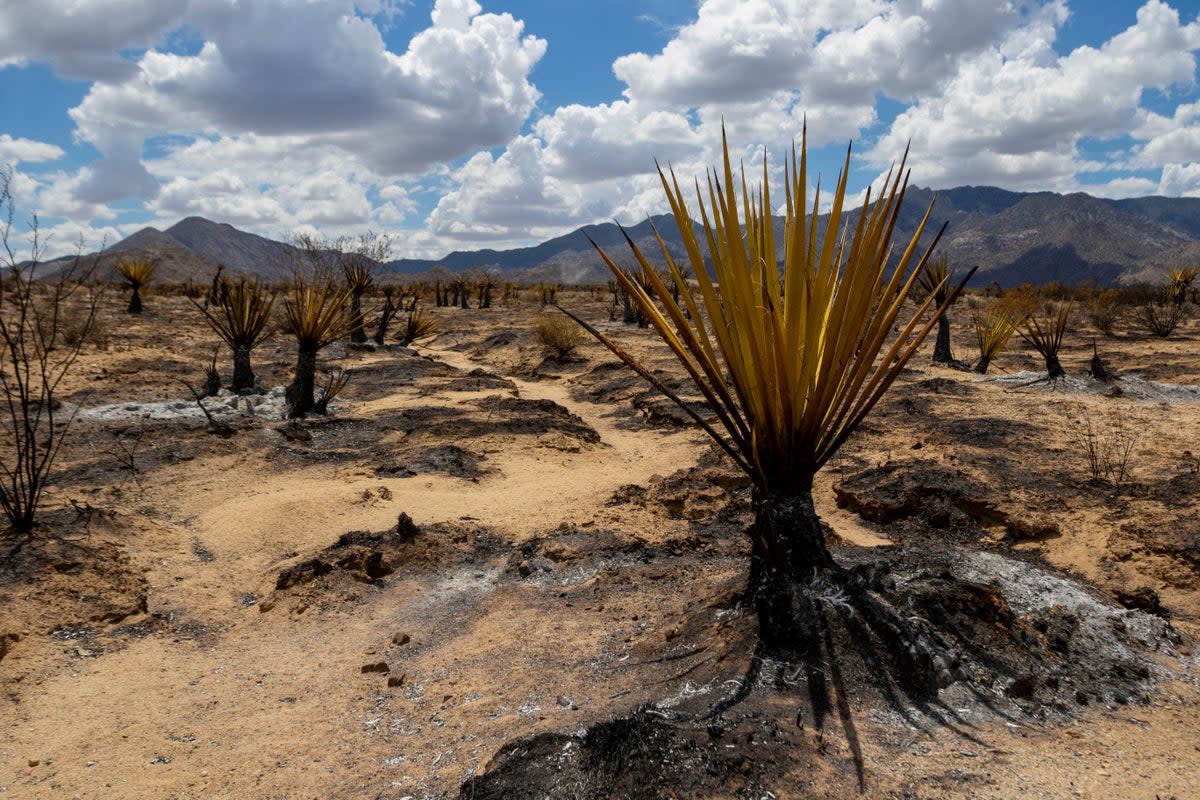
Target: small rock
(524, 570)
(567, 702)
(395, 680)
(33, 762)
(376, 666)
(401, 638)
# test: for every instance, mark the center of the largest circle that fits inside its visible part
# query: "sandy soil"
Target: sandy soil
(187, 624)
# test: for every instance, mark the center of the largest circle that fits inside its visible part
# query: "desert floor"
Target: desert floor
(197, 617)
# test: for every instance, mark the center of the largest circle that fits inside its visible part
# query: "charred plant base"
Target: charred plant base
(926, 640)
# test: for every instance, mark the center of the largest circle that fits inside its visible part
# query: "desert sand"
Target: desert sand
(246, 614)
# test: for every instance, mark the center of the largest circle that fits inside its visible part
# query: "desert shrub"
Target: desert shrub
(34, 359)
(1161, 315)
(1105, 445)
(1103, 309)
(558, 335)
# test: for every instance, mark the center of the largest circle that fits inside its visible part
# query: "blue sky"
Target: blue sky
(460, 124)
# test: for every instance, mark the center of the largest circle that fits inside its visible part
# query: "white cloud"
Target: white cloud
(1014, 114)
(1180, 180)
(83, 38)
(283, 68)
(15, 150)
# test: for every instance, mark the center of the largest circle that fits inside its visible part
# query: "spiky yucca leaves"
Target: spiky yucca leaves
(335, 381)
(417, 325)
(240, 318)
(1045, 332)
(935, 280)
(316, 315)
(790, 367)
(1181, 280)
(993, 328)
(358, 281)
(996, 325)
(137, 272)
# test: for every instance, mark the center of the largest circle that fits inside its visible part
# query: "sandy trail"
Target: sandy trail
(222, 527)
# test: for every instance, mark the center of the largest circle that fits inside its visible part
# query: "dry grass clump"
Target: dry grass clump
(558, 335)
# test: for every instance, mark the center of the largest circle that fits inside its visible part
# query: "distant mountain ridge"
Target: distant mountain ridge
(1012, 237)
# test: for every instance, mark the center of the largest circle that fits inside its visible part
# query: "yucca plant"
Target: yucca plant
(996, 325)
(335, 381)
(1181, 280)
(358, 281)
(316, 314)
(417, 325)
(935, 280)
(240, 318)
(137, 272)
(993, 329)
(790, 366)
(386, 315)
(1045, 332)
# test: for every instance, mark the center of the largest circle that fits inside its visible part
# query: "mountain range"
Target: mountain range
(1012, 237)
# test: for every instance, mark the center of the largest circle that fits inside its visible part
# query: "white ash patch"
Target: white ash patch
(225, 407)
(1126, 634)
(1132, 385)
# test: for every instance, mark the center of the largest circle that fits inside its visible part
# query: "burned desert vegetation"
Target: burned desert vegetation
(485, 558)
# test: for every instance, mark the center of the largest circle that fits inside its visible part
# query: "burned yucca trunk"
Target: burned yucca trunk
(386, 315)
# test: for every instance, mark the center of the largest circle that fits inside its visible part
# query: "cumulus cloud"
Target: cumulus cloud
(291, 113)
(1014, 114)
(318, 70)
(1180, 180)
(15, 150)
(84, 38)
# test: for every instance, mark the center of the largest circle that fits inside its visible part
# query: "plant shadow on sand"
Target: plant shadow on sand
(1015, 643)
